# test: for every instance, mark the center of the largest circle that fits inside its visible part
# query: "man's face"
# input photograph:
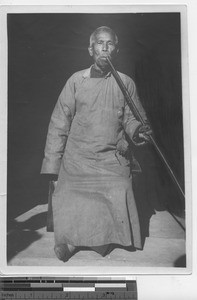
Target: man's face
(104, 46)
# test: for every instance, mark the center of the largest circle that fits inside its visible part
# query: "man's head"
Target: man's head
(103, 43)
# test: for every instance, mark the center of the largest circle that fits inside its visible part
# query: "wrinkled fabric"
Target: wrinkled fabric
(93, 203)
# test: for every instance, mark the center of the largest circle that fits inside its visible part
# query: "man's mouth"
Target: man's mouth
(104, 57)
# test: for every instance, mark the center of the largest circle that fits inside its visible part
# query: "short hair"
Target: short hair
(102, 29)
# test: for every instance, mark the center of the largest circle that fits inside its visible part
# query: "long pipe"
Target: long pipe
(137, 114)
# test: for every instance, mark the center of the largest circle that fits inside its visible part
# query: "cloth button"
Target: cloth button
(120, 113)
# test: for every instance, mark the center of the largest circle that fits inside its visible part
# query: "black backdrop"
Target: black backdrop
(44, 50)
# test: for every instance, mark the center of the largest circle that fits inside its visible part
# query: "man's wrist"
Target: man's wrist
(51, 177)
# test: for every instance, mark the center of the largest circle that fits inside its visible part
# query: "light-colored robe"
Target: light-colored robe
(93, 203)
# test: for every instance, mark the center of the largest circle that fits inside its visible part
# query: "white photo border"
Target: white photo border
(21, 270)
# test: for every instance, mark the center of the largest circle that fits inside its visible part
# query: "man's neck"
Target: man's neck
(100, 70)
(97, 72)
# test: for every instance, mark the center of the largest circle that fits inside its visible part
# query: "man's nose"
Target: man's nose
(105, 47)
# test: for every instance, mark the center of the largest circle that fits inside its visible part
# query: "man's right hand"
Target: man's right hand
(54, 182)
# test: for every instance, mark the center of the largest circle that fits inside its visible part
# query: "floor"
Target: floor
(29, 244)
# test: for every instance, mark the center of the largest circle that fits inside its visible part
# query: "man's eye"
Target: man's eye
(99, 42)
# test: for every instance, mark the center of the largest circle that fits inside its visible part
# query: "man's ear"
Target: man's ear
(117, 51)
(90, 51)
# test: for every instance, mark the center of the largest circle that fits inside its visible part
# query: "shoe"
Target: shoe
(102, 250)
(64, 251)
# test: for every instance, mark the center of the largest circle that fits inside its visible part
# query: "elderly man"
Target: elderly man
(93, 202)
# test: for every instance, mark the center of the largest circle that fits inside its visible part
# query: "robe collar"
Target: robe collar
(86, 74)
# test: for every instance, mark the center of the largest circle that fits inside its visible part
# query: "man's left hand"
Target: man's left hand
(144, 132)
(142, 135)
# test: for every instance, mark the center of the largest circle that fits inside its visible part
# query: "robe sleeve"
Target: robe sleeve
(58, 129)
(130, 123)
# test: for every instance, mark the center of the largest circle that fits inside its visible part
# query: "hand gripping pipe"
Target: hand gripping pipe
(138, 116)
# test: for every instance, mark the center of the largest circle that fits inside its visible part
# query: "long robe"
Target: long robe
(93, 203)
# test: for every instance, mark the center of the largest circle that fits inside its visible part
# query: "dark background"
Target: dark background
(44, 50)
